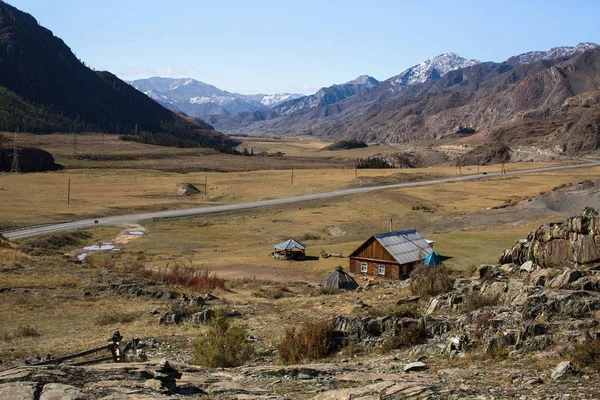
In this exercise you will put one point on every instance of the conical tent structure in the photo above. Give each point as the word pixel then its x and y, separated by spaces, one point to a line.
pixel 338 279
pixel 433 259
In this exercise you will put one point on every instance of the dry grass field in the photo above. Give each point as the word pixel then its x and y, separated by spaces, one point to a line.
pixel 59 298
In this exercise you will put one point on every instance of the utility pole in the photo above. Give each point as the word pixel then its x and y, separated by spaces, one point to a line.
pixel 15 161
pixel 69 193
pixel 205 186
pixel 292 176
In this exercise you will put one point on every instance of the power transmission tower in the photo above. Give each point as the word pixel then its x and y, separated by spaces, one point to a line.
pixel 15 161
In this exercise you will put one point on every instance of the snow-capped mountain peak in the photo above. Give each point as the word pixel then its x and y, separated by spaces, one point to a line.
pixel 430 69
pixel 552 54
pixel 198 99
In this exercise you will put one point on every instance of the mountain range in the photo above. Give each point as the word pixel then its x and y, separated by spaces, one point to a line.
pixel 197 99
pixel 44 88
pixel 434 98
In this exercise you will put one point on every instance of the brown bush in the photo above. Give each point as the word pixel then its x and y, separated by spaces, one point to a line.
pixel 21 332
pixel 310 341
pixel 426 281
pixel 195 278
pixel 407 337
pixel 586 354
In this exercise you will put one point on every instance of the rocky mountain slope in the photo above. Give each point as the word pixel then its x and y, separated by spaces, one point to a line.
pixel 40 72
pixel 426 103
pixel 198 99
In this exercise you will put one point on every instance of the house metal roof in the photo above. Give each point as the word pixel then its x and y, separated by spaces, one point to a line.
pixel 405 246
pixel 289 245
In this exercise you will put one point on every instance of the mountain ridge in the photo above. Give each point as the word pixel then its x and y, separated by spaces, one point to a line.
pixel 197 99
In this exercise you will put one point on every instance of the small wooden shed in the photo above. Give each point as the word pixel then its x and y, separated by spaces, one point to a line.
pixel 290 250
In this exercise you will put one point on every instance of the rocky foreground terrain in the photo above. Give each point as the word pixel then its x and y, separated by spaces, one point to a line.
pixel 526 327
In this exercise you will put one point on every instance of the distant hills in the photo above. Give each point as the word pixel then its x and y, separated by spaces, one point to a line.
pixel 45 88
pixel 198 99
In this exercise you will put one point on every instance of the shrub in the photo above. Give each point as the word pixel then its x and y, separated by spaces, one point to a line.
pixel 21 332
pixel 224 345
pixel 407 337
pixel 429 281
pixel 586 354
pixel 308 342
pixel 115 318
pixel 328 290
pixel 309 236
pixel 195 278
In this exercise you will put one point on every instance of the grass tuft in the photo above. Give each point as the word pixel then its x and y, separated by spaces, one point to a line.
pixel 310 341
pixel 586 354
pixel 116 318
pixel 407 337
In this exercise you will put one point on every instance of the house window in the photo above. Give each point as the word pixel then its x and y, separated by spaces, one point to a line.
pixel 363 267
pixel 381 269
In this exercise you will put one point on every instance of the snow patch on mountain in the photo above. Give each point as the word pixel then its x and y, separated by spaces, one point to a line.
pixel 430 69
pixel 196 98
pixel 552 54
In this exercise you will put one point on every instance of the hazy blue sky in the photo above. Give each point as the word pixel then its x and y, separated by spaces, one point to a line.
pixel 302 45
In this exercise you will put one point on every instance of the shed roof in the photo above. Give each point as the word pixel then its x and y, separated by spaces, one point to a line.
pixel 340 280
pixel 290 244
pixel 405 246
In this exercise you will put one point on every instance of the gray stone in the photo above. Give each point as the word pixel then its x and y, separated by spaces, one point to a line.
pixel 528 266
pixel 59 391
pixel 415 366
pixel 563 370
pixel 171 317
pixel 566 277
pixel 203 317
pixel 18 390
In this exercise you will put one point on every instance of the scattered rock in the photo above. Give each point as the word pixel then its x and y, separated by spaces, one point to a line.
pixel 59 391
pixel 203 317
pixel 563 370
pixel 415 366
pixel 186 189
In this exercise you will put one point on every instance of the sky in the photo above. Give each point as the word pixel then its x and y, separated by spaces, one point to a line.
pixel 264 46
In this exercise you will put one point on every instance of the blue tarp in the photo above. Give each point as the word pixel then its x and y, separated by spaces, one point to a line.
pixel 433 259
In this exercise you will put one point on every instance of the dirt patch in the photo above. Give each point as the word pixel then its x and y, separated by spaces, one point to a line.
pixel 569 200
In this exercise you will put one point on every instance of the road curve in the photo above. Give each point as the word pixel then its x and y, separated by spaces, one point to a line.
pixel 135 218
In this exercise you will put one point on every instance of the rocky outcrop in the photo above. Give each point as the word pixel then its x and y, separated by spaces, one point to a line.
pixel 570 243
pixel 30 160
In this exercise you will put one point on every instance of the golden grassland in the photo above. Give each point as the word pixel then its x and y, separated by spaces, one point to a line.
pixel 48 294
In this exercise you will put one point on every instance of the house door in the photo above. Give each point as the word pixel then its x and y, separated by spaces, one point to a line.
pixel 404 271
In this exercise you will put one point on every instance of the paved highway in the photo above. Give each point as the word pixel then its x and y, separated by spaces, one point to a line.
pixel 135 218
